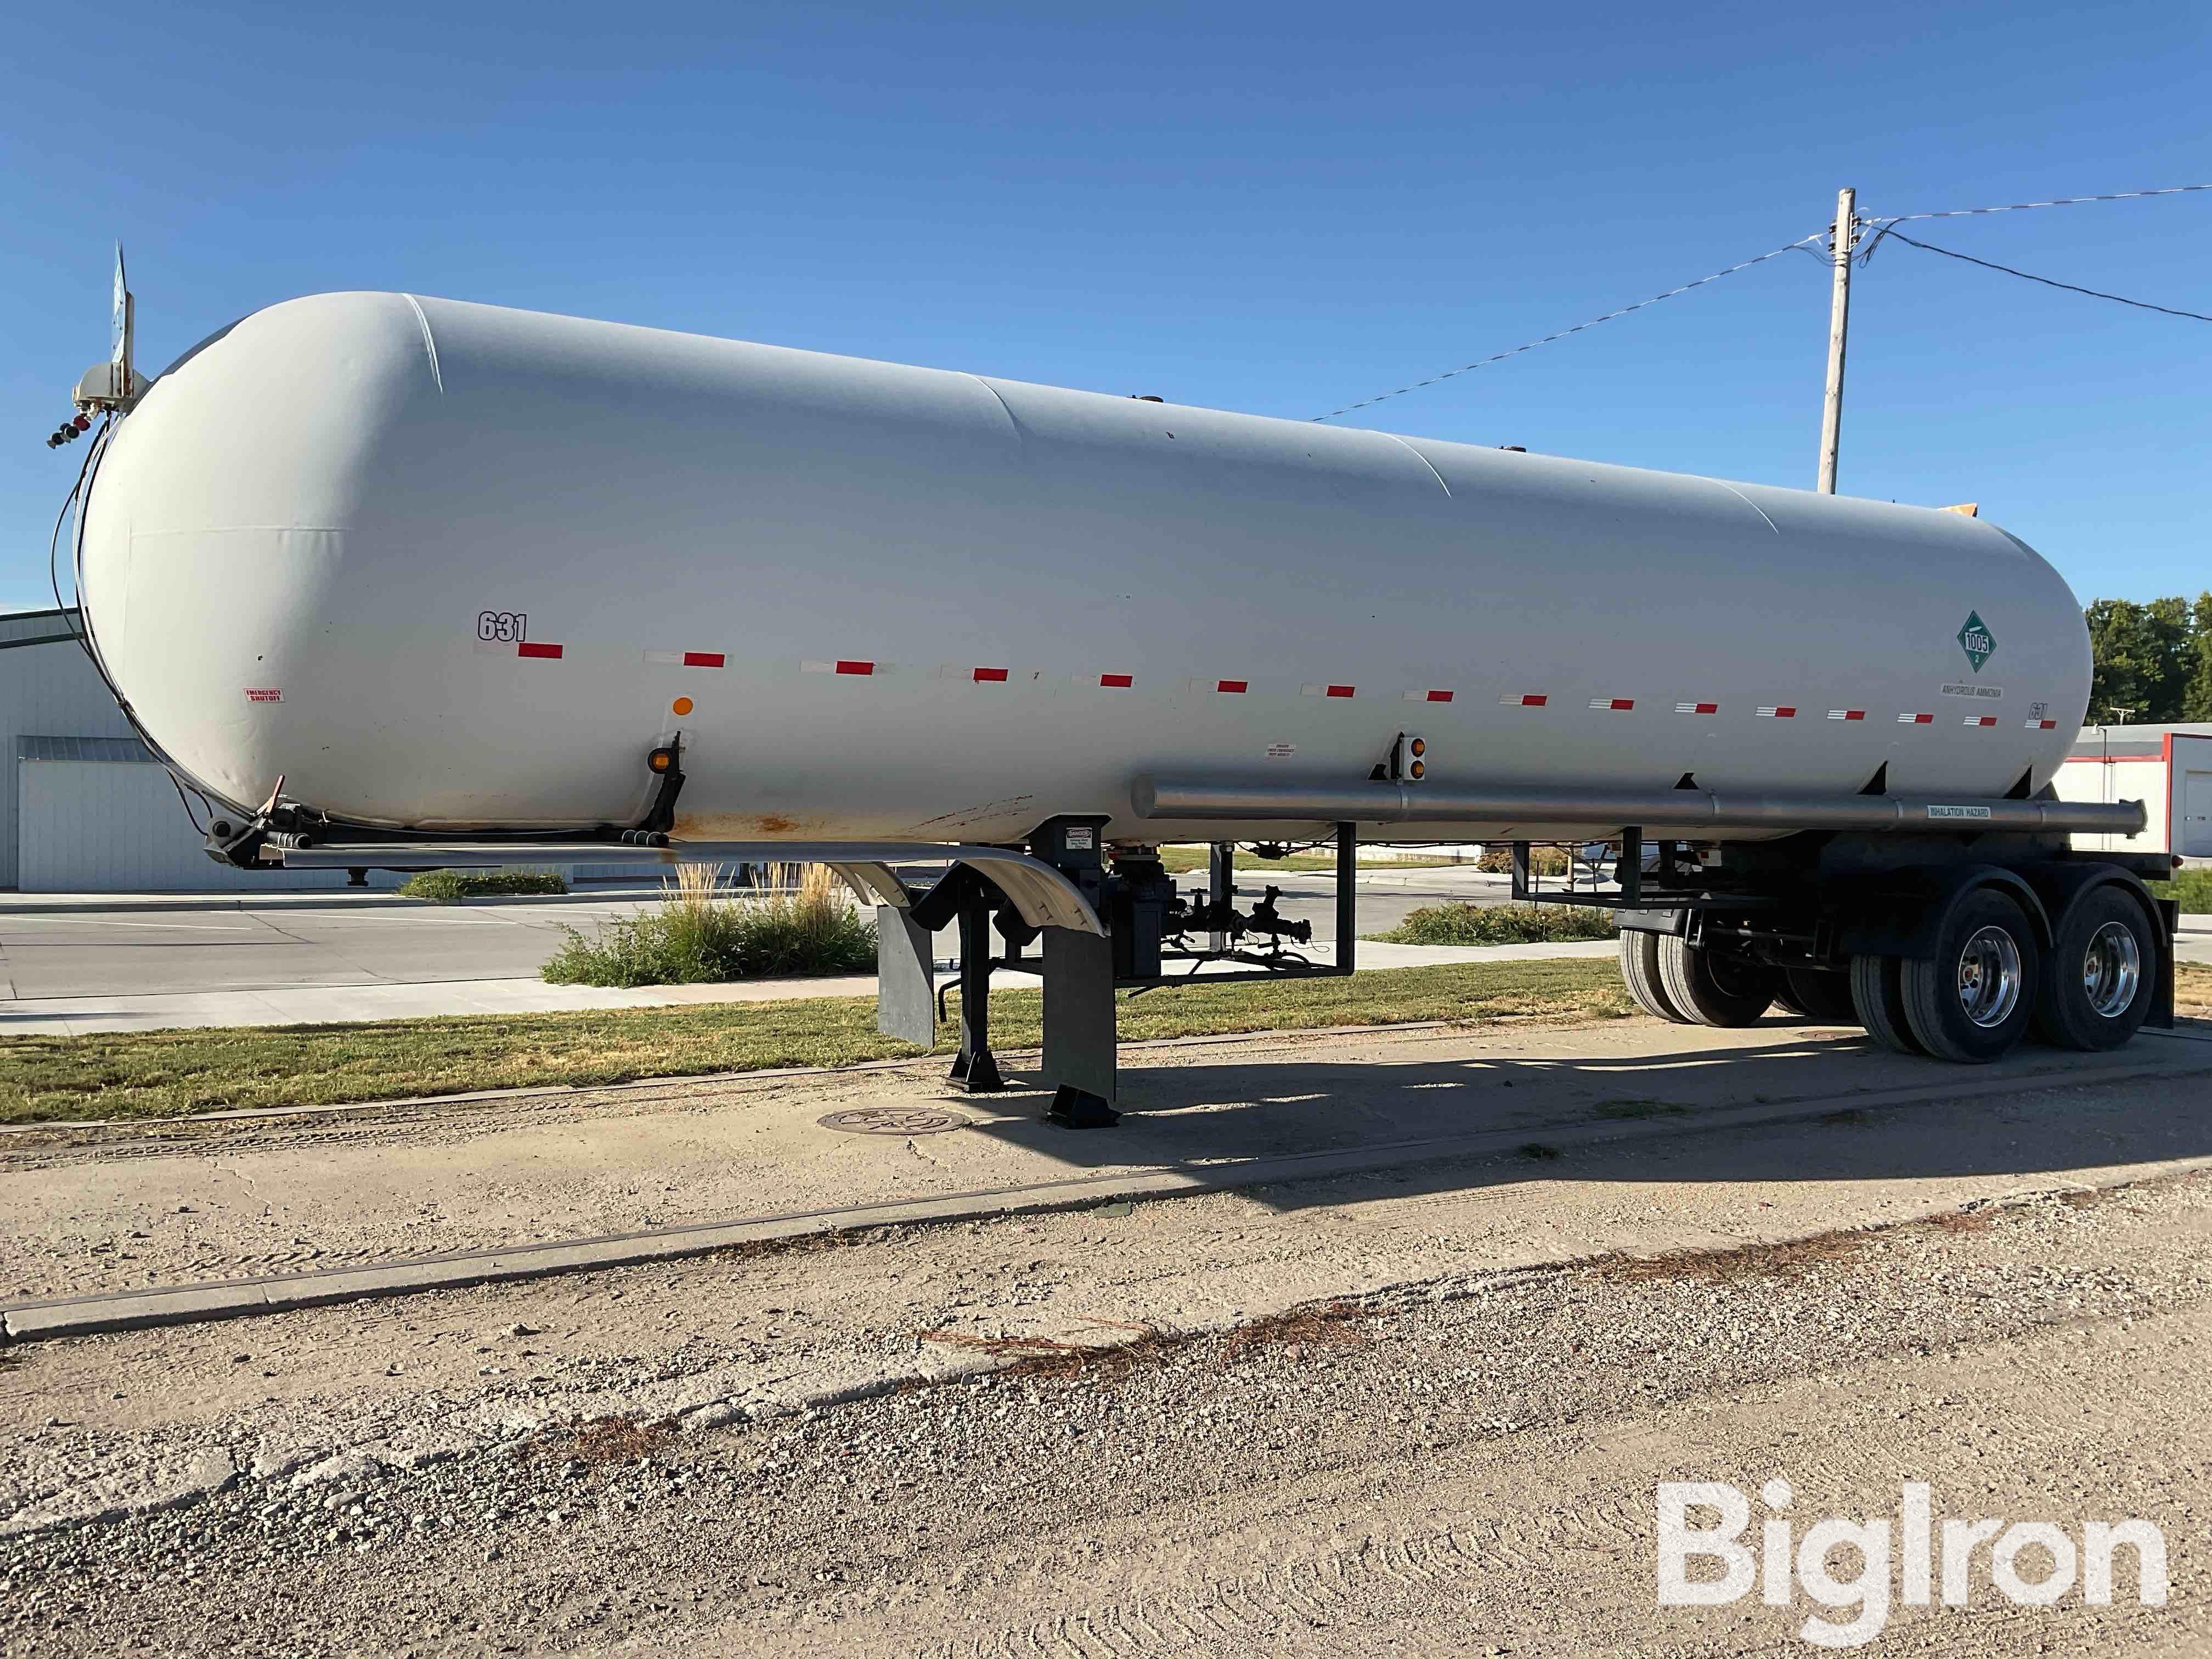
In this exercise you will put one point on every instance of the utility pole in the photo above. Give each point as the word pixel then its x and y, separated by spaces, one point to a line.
pixel 1839 318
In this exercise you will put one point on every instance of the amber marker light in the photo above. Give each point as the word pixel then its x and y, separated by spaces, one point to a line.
pixel 681 706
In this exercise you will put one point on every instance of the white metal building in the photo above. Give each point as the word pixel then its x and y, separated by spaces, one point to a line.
pixel 84 808
pixel 2167 768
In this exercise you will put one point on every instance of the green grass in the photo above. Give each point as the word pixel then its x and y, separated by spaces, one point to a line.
pixel 162 1074
pixel 452 886
pixel 804 926
pixel 1499 924
pixel 1185 860
pixel 2192 887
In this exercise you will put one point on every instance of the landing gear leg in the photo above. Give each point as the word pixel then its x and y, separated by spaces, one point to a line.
pixel 1079 1019
pixel 975 1069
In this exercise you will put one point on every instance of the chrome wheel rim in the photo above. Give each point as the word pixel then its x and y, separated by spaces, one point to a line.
pixel 2111 968
pixel 1989 977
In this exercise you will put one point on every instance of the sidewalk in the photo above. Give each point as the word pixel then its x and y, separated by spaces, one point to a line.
pixel 322 1005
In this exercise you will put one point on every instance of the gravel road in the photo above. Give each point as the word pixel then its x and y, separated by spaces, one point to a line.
pixel 1403 1414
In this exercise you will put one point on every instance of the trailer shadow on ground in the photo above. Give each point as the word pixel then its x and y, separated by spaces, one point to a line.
pixel 1558 1117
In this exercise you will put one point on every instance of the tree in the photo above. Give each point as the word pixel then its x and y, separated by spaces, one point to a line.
pixel 2148 657
pixel 2120 640
pixel 2196 702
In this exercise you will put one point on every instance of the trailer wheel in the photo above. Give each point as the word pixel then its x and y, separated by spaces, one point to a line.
pixel 2103 972
pixel 1640 969
pixel 1822 994
pixel 1713 989
pixel 1878 998
pixel 1975 1000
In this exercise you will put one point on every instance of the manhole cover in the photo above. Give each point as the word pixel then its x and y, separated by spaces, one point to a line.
pixel 894 1121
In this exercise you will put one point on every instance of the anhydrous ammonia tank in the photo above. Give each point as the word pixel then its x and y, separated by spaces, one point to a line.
pixel 442 566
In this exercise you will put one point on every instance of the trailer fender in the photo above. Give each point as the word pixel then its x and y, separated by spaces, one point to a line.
pixel 1900 913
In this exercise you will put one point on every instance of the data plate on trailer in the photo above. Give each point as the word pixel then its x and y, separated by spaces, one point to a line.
pixel 893 1120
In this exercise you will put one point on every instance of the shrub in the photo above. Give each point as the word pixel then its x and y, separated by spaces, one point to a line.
pixel 801 923
pixel 452 886
pixel 2192 887
pixel 1498 859
pixel 1500 924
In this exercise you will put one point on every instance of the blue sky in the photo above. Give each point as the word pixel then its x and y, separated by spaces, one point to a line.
pixel 1277 207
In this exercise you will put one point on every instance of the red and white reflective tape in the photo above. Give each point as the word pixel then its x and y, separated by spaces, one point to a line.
pixel 1228 688
pixel 2043 726
pixel 1915 719
pixel 1779 712
pixel 1847 713
pixel 988 676
pixel 1324 691
pixel 1697 708
pixel 1981 719
pixel 1433 696
pixel 689 659
pixel 841 665
pixel 1107 682
pixel 1615 705
pixel 1525 700
pixel 537 648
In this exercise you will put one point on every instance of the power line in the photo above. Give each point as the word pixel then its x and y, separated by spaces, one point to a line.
pixel 1885 227
pixel 1498 357
pixel 1987 265
pixel 2021 207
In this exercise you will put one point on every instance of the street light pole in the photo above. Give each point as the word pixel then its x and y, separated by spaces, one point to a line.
pixel 1840 317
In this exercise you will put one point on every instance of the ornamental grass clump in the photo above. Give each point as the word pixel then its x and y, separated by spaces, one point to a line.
pixel 799 922
pixel 1500 924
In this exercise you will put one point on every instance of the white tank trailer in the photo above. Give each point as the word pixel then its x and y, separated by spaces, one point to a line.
pixel 398 580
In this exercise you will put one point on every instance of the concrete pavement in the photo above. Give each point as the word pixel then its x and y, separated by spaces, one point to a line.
pixel 276 1212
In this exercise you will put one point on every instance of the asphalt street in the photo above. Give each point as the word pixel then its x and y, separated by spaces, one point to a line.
pixel 124 952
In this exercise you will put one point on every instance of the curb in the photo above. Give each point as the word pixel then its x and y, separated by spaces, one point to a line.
pixel 157 1306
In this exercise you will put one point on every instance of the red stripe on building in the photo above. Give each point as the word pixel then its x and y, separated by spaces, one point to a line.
pixel 536 648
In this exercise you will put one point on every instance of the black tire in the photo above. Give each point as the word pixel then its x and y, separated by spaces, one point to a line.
pixel 1974 1001
pixel 1712 989
pixel 2103 972
pixel 1821 995
pixel 1878 998
pixel 1640 969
